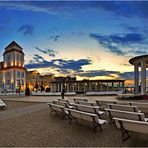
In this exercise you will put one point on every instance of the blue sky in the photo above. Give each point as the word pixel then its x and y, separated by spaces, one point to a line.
pixel 90 39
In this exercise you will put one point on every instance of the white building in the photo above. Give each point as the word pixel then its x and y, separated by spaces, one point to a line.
pixel 12 71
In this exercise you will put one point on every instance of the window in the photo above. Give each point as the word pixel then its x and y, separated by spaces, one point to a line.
pixel 22 57
pixel 8 57
pixel 18 82
pixel 8 74
pixel 22 75
pixel 18 74
pixel 17 56
pixel 22 83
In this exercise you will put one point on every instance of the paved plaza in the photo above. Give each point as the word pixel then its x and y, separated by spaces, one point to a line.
pixel 29 123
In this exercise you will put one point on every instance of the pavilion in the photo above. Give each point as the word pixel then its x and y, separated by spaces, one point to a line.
pixel 140 61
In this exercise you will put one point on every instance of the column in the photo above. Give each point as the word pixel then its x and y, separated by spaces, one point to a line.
pixel 136 78
pixel 90 86
pixel 51 87
pixel 58 87
pixel 54 87
pixel 84 87
pixel 112 86
pixel 100 86
pixel 78 87
pixel 73 87
pixel 106 86
pixel 96 87
pixel 68 87
pixel 143 77
pixel 62 86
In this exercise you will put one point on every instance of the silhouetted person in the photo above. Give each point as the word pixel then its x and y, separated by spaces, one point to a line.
pixel 27 91
pixel 62 93
pixel 140 88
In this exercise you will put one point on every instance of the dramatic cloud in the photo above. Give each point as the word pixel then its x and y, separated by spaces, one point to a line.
pixel 26 29
pixel 115 42
pixel 49 51
pixel 127 75
pixel 94 73
pixel 37 58
pixel 62 65
pixel 72 64
pixel 129 38
pixel 115 74
pixel 55 38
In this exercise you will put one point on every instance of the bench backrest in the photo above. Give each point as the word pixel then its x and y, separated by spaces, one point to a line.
pixel 89 109
pixel 123 107
pixel 61 103
pixel 103 104
pixel 126 115
pixel 88 116
pixel 82 115
pixel 123 102
pixel 86 103
pixel 76 99
pixel 63 100
pixel 143 106
pixel 56 107
pixel 131 125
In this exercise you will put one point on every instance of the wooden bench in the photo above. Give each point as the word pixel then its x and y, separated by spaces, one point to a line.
pixel 126 115
pixel 62 103
pixel 89 109
pixel 103 104
pixel 126 125
pixel 124 107
pixel 57 108
pixel 85 103
pixel 2 104
pixel 76 99
pixel 143 106
pixel 67 101
pixel 93 118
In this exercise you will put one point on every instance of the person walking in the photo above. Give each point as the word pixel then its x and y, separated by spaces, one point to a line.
pixel 62 93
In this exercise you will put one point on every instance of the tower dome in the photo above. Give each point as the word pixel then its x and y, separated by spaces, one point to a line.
pixel 13 56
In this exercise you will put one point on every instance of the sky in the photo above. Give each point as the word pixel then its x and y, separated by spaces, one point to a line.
pixel 86 39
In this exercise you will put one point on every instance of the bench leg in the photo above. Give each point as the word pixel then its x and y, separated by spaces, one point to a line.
pixel 71 118
pixel 97 125
pixel 63 116
pixel 51 111
pixel 110 119
pixel 125 134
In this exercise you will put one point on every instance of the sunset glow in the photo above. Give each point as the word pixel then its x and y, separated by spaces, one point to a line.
pixel 89 40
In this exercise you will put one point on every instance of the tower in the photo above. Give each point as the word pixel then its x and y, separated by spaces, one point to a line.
pixel 13 71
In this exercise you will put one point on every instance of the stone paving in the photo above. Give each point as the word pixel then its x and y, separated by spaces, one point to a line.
pixel 50 98
pixel 32 125
pixel 21 111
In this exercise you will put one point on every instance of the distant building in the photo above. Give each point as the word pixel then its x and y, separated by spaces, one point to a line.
pixel 73 85
pixel 34 80
pixel 12 71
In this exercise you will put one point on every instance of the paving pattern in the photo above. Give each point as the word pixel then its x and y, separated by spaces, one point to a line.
pixel 32 125
pixel 21 111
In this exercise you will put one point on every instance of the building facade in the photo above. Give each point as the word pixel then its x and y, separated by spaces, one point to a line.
pixel 12 71
pixel 35 81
